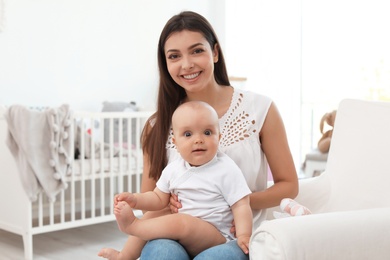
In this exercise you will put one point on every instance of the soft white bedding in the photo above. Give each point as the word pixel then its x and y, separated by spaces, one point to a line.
pixel 106 166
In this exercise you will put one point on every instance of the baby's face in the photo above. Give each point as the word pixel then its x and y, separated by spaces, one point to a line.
pixel 196 135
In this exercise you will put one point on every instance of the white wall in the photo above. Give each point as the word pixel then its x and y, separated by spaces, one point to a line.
pixel 85 52
pixel 263 43
pixel 89 51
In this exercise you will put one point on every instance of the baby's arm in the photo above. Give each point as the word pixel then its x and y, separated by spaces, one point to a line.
pixel 242 214
pixel 150 200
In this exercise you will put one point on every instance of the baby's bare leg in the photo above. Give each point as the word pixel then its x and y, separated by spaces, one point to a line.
pixel 199 234
pixel 124 217
pixel 134 245
pixel 194 234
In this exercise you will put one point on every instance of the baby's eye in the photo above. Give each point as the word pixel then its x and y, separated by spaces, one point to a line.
pixel 187 134
pixel 207 132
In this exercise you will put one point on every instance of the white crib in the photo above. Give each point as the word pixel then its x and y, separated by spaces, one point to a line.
pixel 91 186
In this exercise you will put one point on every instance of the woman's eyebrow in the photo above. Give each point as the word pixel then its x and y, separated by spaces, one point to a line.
pixel 195 45
pixel 172 50
pixel 189 48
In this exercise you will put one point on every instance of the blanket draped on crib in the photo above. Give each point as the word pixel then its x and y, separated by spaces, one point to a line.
pixel 39 142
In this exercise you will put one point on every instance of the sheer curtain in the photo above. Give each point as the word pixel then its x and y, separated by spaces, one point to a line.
pixel 345 54
pixel 308 55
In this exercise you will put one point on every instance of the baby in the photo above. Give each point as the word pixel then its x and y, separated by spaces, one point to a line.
pixel 210 186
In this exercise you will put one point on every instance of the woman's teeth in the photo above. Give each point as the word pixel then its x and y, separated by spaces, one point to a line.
pixel 192 76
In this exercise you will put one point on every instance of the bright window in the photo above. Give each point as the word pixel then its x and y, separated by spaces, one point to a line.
pixel 345 54
pixel 308 55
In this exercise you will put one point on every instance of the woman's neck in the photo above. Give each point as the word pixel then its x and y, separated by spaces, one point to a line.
pixel 219 98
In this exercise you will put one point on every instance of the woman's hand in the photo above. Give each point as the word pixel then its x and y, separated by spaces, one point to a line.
pixel 174 203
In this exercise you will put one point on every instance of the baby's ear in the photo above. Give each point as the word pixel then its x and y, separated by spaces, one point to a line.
pixel 173 140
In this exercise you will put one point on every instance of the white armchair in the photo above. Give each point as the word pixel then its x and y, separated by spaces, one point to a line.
pixel 350 201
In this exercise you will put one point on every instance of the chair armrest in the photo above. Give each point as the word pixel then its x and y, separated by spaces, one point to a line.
pixel 360 234
pixel 313 194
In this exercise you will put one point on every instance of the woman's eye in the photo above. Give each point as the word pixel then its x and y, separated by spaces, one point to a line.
pixel 207 132
pixel 187 134
pixel 172 56
pixel 198 51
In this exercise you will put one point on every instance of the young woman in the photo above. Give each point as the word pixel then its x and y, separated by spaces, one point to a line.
pixel 192 67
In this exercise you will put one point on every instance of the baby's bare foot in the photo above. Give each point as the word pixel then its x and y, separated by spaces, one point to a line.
pixel 124 216
pixel 109 253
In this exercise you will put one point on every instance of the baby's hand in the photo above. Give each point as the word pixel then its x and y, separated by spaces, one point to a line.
pixel 127 197
pixel 243 243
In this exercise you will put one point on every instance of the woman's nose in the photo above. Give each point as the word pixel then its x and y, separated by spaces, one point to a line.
pixel 187 63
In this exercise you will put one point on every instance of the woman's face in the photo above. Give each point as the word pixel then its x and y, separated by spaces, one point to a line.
pixel 190 60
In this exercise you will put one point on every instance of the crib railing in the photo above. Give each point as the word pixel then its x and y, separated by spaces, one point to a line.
pixel 113 165
pixel 108 160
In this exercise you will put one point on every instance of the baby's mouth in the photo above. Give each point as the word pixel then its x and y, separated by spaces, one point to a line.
pixel 198 150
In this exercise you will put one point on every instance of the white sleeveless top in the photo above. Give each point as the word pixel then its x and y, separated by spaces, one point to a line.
pixel 240 128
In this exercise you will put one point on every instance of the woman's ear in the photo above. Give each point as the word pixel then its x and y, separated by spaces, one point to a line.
pixel 215 53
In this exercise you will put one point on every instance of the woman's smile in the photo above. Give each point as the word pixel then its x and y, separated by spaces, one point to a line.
pixel 191 76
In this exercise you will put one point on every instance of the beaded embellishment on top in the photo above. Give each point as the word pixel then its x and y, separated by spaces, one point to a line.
pixel 236 125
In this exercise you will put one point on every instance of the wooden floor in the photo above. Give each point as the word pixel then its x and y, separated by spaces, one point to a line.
pixel 73 244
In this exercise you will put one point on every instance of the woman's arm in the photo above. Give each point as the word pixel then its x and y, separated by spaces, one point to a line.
pixel 147 183
pixel 275 146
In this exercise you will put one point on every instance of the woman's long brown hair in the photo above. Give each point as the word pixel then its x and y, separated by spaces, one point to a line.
pixel 170 94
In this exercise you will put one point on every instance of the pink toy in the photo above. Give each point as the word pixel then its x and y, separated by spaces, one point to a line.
pixel 293 208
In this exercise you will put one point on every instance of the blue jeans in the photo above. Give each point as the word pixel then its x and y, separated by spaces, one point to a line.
pixel 166 249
